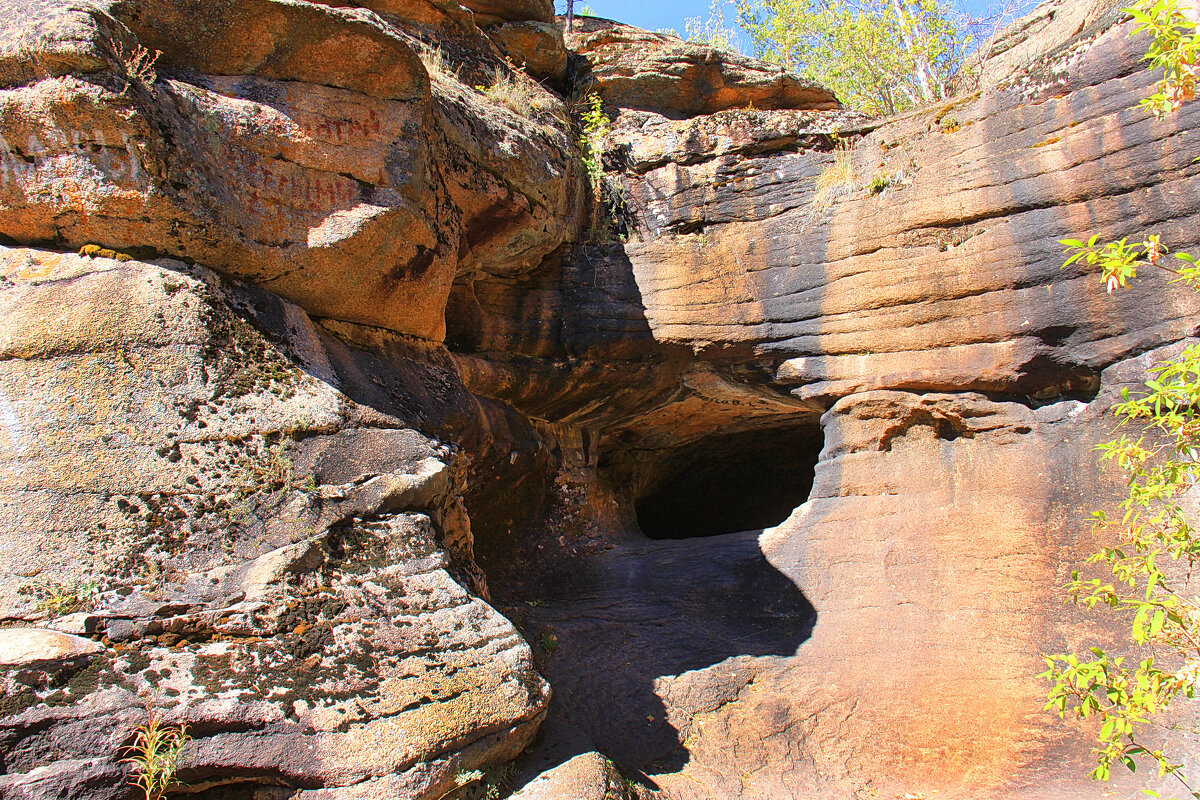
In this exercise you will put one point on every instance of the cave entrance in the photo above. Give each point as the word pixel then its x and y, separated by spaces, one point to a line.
pixel 731 482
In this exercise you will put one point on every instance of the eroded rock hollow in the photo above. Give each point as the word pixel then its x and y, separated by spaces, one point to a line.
pixel 341 424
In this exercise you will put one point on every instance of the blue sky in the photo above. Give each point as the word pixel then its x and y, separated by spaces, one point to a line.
pixel 655 14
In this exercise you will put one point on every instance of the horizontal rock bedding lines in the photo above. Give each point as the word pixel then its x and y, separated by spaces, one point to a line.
pixel 165 456
pixel 835 288
pixel 288 489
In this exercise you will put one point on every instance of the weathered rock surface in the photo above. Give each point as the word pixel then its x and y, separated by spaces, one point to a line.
pixel 590 776
pixel 538 47
pixel 633 68
pixel 779 482
pixel 933 275
pixel 1024 41
pixel 280 166
pixel 29 647
pixel 489 12
pixel 272 562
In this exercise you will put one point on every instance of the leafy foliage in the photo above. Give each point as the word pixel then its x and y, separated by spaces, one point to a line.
pixel 156 751
pixel 713 31
pixel 1156 528
pixel 1175 50
pixel 596 128
pixel 1119 260
pixel 1155 545
pixel 878 56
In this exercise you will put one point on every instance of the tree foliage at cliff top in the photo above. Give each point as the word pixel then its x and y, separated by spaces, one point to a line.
pixel 878 56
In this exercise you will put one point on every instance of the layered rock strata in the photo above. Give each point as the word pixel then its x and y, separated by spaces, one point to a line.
pixel 325 388
pixel 276 567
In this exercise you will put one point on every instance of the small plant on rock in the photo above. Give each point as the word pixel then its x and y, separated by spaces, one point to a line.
pixel 878 183
pixel 138 64
pixel 461 779
pixel 156 751
pixel 835 180
pixel 596 128
pixel 59 599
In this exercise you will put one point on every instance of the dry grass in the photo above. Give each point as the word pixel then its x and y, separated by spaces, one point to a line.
pixel 509 90
pixel 437 64
pixel 836 180
pixel 522 95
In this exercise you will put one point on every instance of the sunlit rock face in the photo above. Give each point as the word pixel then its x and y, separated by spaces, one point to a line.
pixel 340 424
pixel 301 147
pixel 287 572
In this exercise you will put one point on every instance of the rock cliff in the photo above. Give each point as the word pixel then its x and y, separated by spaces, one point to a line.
pixel 342 424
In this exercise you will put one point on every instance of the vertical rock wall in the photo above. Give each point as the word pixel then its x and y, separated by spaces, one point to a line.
pixel 350 420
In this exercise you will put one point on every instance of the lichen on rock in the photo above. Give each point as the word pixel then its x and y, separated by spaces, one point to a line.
pixel 339 421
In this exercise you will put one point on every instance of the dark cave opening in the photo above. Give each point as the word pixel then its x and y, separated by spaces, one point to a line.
pixel 730 482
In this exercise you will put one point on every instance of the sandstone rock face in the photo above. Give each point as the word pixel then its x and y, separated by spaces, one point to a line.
pixel 489 12
pixel 344 431
pixel 288 40
pixel 281 166
pixel 1050 25
pixel 632 68
pixel 285 570
pixel 536 46
pixel 919 304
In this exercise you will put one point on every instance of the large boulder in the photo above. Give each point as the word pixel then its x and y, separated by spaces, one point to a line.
pixel 538 47
pixel 633 68
pixel 283 571
pixel 285 166
pixel 291 40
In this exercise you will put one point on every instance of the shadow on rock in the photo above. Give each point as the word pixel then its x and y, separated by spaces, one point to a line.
pixel 644 611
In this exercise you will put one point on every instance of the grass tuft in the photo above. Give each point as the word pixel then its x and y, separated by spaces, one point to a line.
pixel 836 180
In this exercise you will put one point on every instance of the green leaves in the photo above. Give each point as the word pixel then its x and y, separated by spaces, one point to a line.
pixel 1174 49
pixel 1153 549
pixel 596 127
pixel 1119 261
pixel 878 56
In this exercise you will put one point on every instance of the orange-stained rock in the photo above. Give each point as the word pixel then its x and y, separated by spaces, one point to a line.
pixel 490 12
pixel 633 68
pixel 538 47
pixel 435 14
pixel 282 177
pixel 292 40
